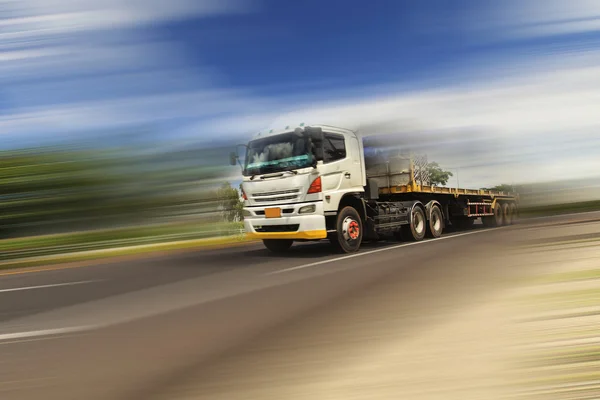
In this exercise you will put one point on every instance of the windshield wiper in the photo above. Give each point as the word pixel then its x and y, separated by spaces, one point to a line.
pixel 280 173
pixel 276 174
pixel 290 171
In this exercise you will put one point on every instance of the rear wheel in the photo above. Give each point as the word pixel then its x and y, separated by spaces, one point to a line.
pixel 349 231
pixel 507 214
pixel 418 225
pixel 436 222
pixel 278 245
pixel 514 213
pixel 498 215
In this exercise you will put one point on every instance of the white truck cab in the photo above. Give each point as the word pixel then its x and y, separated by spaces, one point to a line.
pixel 296 177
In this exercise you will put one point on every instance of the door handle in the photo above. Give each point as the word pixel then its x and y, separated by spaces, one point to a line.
pixel 347 175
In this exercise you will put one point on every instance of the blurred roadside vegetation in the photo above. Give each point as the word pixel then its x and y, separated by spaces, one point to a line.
pixel 561 208
pixel 75 195
pixel 76 198
pixel 555 198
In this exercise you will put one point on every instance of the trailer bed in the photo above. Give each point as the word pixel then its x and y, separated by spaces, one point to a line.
pixel 415 188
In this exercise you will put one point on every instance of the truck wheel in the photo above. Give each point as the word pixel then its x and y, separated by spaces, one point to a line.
pixel 498 215
pixel 514 213
pixel 278 245
pixel 507 214
pixel 418 225
pixel 349 231
pixel 435 224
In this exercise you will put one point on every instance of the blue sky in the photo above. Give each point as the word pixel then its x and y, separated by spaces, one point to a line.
pixel 188 70
pixel 314 43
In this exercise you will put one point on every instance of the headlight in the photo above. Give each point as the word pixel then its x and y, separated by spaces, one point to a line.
pixel 307 209
pixel 247 213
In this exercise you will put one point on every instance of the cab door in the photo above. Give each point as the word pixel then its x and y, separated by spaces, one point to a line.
pixel 338 172
pixel 356 173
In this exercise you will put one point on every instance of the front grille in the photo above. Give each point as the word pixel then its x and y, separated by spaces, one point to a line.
pixel 276 193
pixel 282 198
pixel 277 228
pixel 280 195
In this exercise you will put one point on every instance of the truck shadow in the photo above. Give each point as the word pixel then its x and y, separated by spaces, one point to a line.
pixel 323 249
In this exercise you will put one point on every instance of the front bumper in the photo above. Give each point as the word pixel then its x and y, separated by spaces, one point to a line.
pixel 291 224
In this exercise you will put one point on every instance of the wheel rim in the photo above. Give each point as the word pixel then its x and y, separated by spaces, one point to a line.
pixel 437 222
pixel 418 222
pixel 350 229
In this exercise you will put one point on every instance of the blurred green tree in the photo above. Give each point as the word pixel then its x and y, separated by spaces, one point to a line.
pixel 230 203
pixel 503 188
pixel 48 190
pixel 437 176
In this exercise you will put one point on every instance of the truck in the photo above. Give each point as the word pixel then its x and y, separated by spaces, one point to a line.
pixel 319 182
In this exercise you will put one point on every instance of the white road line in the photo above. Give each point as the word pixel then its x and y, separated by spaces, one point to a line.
pixel 314 264
pixel 34 339
pixel 45 332
pixel 47 286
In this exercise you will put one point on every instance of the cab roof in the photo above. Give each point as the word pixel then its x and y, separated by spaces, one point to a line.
pixel 290 127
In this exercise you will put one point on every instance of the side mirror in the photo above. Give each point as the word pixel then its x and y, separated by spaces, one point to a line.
pixel 316 137
pixel 233 158
pixel 314 133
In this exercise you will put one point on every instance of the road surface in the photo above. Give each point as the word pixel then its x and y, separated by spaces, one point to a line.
pixel 240 322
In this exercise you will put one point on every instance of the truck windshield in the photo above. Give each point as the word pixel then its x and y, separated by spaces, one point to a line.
pixel 278 153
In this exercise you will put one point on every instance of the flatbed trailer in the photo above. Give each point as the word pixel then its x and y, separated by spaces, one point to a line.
pixel 308 183
pixel 413 211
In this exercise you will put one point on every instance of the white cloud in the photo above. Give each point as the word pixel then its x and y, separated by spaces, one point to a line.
pixel 19 55
pixel 55 42
pixel 558 28
pixel 559 100
pixel 79 117
pixel 534 122
pixel 542 125
pixel 547 11
pixel 538 18
pixel 60 16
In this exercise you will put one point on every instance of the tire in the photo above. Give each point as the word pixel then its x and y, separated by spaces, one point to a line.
pixel 278 246
pixel 349 231
pixel 417 228
pixel 435 224
pixel 514 213
pixel 498 215
pixel 507 214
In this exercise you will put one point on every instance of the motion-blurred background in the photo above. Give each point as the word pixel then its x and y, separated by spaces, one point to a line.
pixel 117 118
pixel 123 112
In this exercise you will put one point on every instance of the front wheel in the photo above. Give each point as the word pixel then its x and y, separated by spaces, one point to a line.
pixel 349 231
pixel 278 245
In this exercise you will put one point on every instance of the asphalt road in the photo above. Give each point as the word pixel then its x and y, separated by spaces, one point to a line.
pixel 147 328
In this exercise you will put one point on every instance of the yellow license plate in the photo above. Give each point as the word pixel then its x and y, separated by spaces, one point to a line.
pixel 273 212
